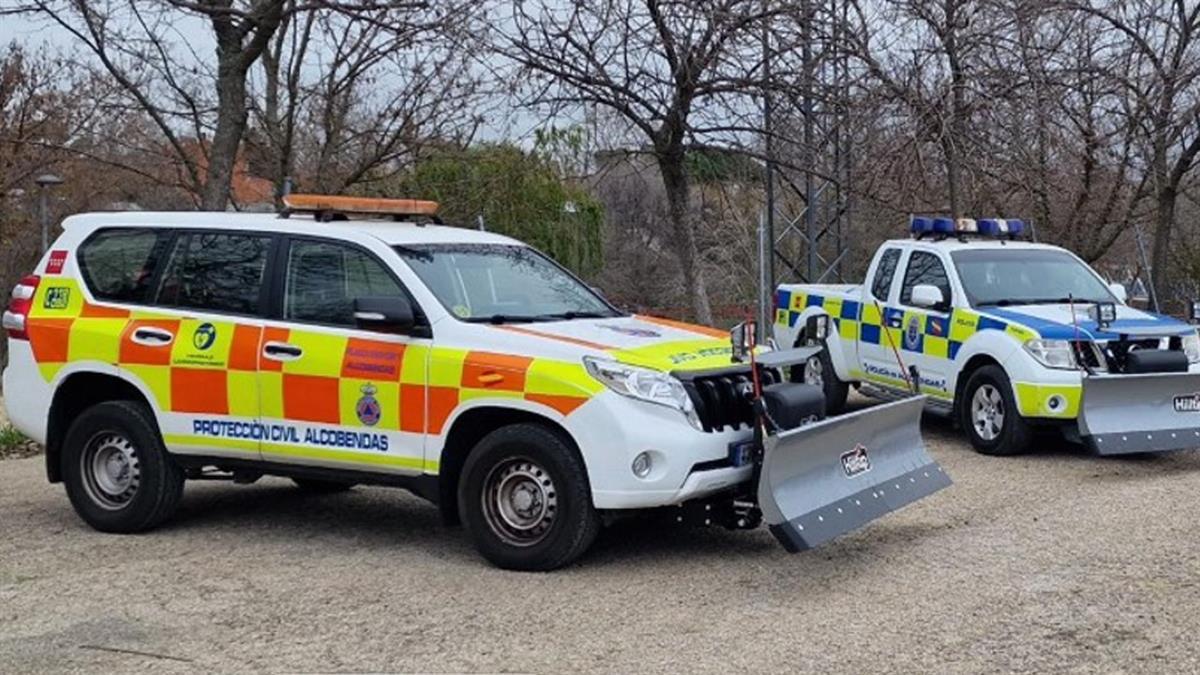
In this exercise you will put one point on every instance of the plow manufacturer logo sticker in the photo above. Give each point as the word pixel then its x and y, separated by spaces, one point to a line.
pixel 856 462
pixel 1188 403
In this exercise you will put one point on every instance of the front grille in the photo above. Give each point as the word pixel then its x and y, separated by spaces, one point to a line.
pixel 720 399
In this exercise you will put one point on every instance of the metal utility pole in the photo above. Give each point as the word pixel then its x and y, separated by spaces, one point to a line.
pixel 806 217
pixel 44 181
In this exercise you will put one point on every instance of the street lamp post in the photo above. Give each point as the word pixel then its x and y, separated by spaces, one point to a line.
pixel 44 181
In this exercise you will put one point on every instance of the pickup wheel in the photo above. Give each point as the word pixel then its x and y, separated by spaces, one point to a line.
pixel 525 500
pixel 117 472
pixel 818 371
pixel 989 414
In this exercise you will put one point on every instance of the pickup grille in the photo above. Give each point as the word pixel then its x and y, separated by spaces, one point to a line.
pixel 718 398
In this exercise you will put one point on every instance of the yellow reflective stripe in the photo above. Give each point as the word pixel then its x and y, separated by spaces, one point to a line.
pixel 848 329
pixel 871 315
pixel 799 301
pixel 680 354
pixel 1033 399
pixel 446 367
pixel 95 339
pixel 387 394
pixel 157 379
pixel 963 325
pixel 398 461
pixel 74 305
pixel 1020 332
pixel 207 442
pixel 414 364
pixel 242 392
pixel 937 347
pixel 270 387
pixel 561 378
pixel 323 353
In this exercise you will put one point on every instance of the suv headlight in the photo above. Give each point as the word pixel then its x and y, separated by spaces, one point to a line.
pixel 1191 347
pixel 643 384
pixel 1052 353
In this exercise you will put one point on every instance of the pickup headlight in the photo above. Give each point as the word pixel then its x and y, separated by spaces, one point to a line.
pixel 1191 347
pixel 1052 353
pixel 644 384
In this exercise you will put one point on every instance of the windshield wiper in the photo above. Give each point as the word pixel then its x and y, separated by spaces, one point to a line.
pixel 505 318
pixel 568 316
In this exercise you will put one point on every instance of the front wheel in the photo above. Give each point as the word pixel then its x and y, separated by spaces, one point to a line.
pixel 525 500
pixel 988 413
pixel 818 371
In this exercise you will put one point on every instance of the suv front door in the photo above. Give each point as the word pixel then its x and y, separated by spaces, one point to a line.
pixel 924 332
pixel 334 394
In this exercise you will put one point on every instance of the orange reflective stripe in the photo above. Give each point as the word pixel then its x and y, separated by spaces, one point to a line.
pixel 243 354
pixel 311 398
pixel 137 354
pixel 442 402
pixel 487 370
pixel 199 390
pixel 372 360
pixel 559 338
pixel 91 311
pixel 563 404
pixel 694 328
pixel 49 339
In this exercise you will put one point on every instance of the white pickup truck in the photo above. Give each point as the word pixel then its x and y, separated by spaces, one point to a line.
pixel 1006 336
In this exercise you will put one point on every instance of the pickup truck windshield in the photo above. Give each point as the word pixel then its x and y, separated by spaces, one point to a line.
pixel 1026 277
pixel 496 283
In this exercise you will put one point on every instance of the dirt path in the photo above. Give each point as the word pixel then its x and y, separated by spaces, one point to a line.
pixel 1053 562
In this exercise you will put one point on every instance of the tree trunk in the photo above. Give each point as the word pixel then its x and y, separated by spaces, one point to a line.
pixel 671 164
pixel 1164 213
pixel 231 125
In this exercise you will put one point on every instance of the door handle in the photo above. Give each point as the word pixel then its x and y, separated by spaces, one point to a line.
pixel 152 337
pixel 282 351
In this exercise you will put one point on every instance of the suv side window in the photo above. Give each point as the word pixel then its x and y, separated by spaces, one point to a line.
pixel 216 271
pixel 882 282
pixel 924 268
pixel 119 265
pixel 324 278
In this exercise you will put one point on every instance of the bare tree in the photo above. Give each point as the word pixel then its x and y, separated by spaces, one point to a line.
pixel 683 75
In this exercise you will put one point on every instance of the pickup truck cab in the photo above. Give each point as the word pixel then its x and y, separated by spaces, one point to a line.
pixel 1003 333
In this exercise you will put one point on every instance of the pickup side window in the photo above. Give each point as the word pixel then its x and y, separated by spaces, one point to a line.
pixel 324 278
pixel 119 265
pixel 216 272
pixel 924 268
pixel 884 272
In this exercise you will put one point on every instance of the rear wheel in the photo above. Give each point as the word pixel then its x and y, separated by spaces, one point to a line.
pixel 988 413
pixel 818 371
pixel 117 472
pixel 525 500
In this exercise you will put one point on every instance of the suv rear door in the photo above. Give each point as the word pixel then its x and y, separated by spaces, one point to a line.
pixel 334 394
pixel 197 349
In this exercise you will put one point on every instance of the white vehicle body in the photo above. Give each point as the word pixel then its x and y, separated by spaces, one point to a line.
pixel 395 411
pixel 878 327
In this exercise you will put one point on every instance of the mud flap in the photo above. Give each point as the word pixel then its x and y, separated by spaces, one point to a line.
pixel 822 480
pixel 1121 414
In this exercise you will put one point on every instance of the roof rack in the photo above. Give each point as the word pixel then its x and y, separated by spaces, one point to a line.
pixel 328 208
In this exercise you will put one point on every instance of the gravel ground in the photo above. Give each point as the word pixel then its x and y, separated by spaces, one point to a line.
pixel 1052 562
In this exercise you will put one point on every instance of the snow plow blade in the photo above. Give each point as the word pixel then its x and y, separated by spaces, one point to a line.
pixel 1122 414
pixel 828 478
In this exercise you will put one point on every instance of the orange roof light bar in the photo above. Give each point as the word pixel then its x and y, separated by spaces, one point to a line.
pixel 363 205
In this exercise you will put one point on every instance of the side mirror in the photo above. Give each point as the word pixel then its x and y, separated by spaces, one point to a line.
pixel 385 314
pixel 928 297
pixel 1119 291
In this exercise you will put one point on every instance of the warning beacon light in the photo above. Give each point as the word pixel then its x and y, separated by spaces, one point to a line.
pixel 1010 228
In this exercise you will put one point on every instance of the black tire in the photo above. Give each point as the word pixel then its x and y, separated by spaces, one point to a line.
pixel 834 389
pixel 523 457
pixel 1014 434
pixel 125 433
pixel 321 487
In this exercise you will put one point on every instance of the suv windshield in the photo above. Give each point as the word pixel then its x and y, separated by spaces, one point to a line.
pixel 1027 277
pixel 501 283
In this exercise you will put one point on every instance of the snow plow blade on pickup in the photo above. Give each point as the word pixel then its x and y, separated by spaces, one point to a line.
pixel 1123 414
pixel 827 478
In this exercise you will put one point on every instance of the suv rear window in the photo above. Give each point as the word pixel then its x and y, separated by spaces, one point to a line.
pixel 119 265
pixel 216 271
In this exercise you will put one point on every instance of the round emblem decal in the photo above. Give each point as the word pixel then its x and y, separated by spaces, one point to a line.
pixel 632 332
pixel 367 408
pixel 912 333
pixel 204 337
